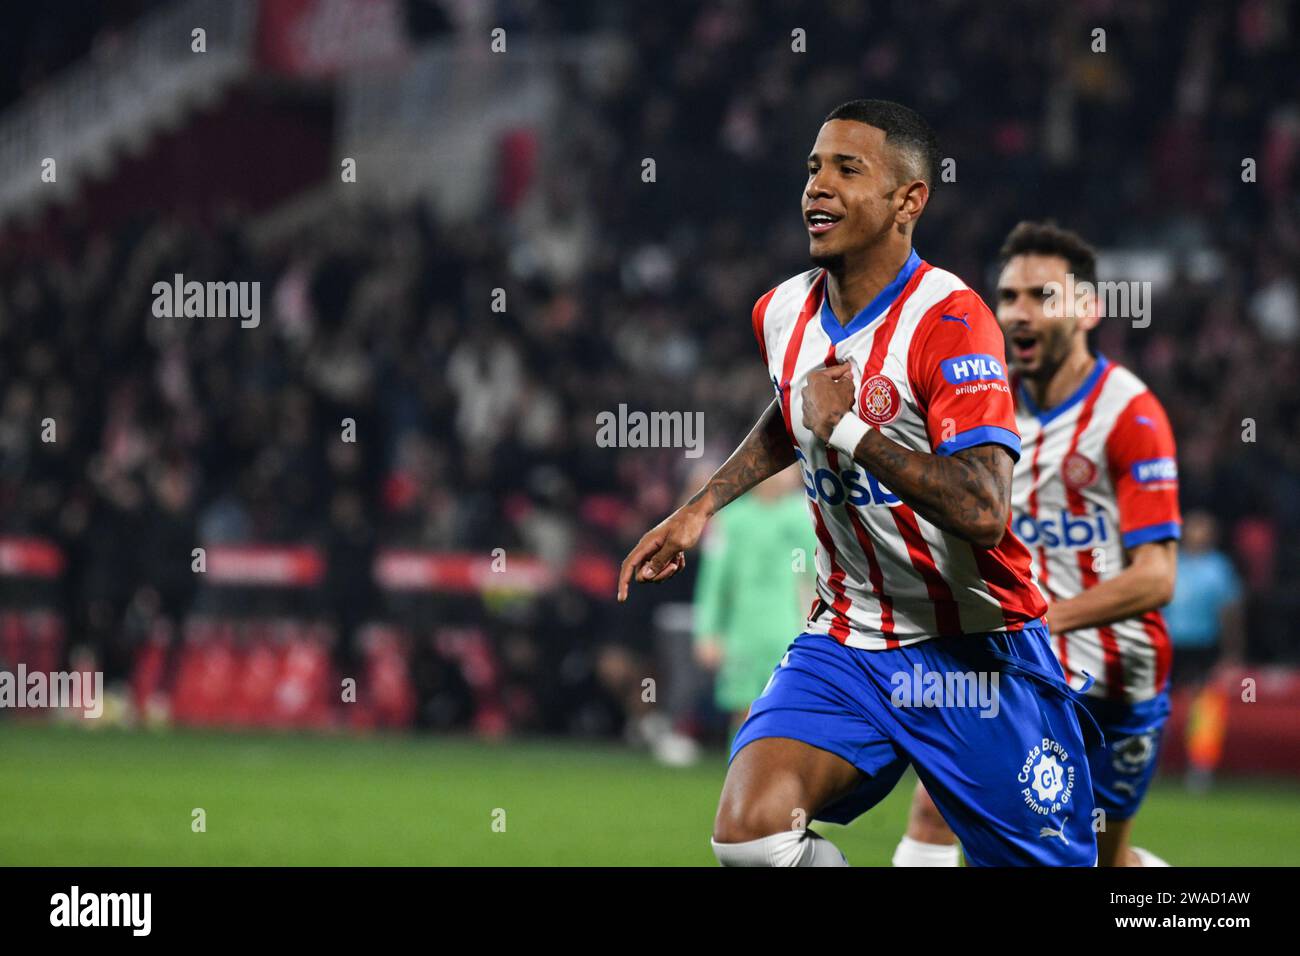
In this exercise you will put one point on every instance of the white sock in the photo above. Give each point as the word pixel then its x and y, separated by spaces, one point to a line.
pixel 1147 857
pixel 915 853
pixel 791 848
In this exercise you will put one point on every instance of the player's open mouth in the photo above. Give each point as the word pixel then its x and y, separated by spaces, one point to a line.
pixel 820 222
pixel 1024 348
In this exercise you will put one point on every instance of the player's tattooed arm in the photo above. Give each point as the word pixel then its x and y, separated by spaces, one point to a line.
pixel 967 494
pixel 661 552
pixel 765 451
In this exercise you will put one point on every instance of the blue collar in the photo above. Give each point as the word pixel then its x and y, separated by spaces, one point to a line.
pixel 1079 395
pixel 874 309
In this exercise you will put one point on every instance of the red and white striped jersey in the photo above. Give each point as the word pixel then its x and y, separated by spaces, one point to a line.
pixel 928 365
pixel 1098 477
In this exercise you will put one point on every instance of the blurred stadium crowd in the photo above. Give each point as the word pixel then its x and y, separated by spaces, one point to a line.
pixel 476 429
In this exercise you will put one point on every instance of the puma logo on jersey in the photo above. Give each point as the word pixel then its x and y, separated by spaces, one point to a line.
pixel 1044 832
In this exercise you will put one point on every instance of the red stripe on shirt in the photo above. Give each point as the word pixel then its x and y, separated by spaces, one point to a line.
pixel 1077 505
pixel 993 571
pixel 1153 623
pixel 839 599
pixel 810 306
pixel 874 575
pixel 758 316
pixel 947 619
pixel 1114 663
pixel 1062 645
pixel 1007 573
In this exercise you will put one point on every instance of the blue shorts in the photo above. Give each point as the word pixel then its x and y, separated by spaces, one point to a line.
pixel 1122 774
pixel 998 744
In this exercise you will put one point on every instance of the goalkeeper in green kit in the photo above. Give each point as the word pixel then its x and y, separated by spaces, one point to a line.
pixel 755 583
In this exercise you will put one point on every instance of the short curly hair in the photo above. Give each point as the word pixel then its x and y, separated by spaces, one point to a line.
pixel 1049 239
pixel 904 129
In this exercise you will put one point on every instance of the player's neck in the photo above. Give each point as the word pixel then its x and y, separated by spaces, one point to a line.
pixel 1049 392
pixel 851 285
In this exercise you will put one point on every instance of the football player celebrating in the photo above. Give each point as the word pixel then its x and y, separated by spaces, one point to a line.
pixel 891 393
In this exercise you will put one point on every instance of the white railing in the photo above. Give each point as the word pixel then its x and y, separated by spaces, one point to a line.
pixel 113 99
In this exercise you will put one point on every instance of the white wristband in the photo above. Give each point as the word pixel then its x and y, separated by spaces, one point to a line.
pixel 847 432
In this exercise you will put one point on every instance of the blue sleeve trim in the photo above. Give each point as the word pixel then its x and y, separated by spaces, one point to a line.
pixel 983 435
pixel 1170 530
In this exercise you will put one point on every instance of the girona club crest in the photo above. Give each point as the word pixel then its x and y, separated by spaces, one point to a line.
pixel 879 401
pixel 1078 471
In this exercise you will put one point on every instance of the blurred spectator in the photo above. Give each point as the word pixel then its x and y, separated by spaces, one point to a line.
pixel 1205 624
pixel 1204 618
pixel 755 584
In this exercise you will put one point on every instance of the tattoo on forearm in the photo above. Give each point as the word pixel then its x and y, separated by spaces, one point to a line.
pixel 961 493
pixel 765 451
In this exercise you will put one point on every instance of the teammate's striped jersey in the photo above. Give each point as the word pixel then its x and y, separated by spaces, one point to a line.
pixel 1098 476
pixel 929 372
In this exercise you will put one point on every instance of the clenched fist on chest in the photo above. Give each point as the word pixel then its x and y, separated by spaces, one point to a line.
pixel 827 396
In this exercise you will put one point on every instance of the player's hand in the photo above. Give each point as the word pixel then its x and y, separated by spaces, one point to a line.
pixel 661 551
pixel 827 395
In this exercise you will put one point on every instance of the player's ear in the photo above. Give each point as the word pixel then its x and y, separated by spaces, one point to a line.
pixel 1088 310
pixel 912 197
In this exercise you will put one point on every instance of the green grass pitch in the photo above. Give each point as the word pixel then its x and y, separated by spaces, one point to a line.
pixel 73 797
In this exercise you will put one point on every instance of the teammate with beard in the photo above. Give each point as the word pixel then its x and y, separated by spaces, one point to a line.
pixel 1095 497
